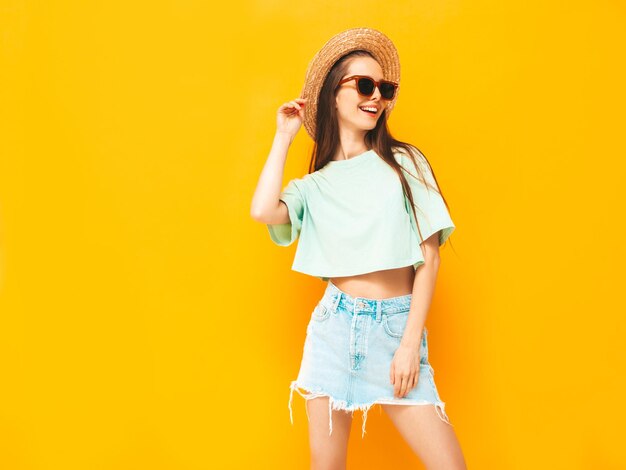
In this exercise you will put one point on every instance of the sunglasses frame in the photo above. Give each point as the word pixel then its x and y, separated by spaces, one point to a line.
pixel 376 85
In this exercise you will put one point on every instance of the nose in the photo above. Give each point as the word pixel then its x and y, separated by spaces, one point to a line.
pixel 376 93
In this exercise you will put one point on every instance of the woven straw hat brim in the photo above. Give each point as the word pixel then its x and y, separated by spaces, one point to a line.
pixel 371 40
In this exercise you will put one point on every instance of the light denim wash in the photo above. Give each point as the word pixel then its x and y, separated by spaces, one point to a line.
pixel 347 354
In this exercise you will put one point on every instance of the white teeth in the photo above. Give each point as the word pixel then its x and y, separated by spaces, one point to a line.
pixel 367 108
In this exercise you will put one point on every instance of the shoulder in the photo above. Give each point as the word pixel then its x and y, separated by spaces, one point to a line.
pixel 301 184
pixel 409 159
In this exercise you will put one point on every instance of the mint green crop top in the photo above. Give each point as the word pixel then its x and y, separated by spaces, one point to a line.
pixel 352 217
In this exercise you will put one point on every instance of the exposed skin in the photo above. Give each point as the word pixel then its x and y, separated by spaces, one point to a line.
pixel 432 440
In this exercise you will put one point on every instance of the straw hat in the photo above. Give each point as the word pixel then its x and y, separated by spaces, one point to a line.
pixel 371 40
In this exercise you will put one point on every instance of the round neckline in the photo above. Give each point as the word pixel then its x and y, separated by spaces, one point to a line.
pixel 352 160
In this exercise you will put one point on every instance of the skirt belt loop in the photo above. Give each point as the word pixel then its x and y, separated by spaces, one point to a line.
pixel 336 303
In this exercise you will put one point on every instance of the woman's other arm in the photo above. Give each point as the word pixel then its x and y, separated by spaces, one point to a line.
pixel 423 291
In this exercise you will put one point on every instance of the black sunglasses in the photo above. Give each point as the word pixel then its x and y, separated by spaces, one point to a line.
pixel 365 86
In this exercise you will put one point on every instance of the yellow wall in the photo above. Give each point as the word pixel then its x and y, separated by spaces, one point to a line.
pixel 146 321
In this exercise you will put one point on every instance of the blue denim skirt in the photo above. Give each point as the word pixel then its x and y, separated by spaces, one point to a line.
pixel 349 346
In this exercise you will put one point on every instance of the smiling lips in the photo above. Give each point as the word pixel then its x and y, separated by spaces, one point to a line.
pixel 370 110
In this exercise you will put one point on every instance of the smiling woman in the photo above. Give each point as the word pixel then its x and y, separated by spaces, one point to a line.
pixel 369 216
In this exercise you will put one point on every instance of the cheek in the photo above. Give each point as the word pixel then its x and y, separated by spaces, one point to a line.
pixel 347 108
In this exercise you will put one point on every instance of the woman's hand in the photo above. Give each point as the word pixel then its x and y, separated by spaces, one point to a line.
pixel 290 116
pixel 404 371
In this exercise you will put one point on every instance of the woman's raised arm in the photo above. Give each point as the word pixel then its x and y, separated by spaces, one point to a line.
pixel 266 206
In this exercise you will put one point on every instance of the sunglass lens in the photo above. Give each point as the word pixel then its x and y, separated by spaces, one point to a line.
pixel 366 86
pixel 387 90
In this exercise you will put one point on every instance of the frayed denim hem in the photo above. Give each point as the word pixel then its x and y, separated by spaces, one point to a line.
pixel 334 404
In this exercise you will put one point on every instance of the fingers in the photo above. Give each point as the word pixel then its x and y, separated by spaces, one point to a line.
pixel 403 384
pixel 404 377
pixel 400 387
pixel 293 106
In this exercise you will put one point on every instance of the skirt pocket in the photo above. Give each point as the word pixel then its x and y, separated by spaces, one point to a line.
pixel 320 313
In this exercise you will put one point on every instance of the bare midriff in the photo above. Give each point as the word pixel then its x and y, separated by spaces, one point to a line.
pixel 378 284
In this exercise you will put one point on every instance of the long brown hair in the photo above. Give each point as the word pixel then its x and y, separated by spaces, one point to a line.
pixel 379 139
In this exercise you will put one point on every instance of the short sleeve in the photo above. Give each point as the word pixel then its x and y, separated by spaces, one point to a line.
pixel 432 213
pixel 294 196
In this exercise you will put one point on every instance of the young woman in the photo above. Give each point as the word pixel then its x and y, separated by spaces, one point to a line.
pixel 370 219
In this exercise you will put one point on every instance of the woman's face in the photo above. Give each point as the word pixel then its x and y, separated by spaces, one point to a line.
pixel 349 102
